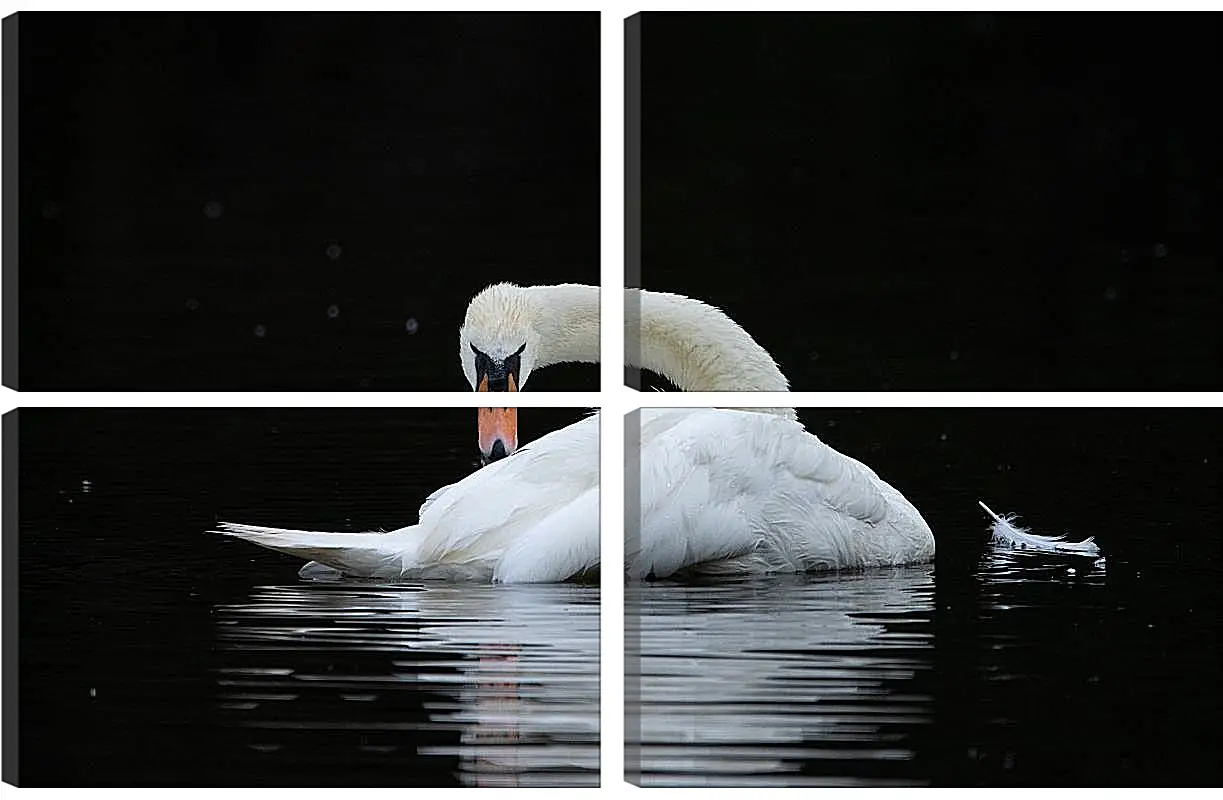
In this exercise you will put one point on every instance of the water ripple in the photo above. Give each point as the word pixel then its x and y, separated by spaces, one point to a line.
pixel 500 685
pixel 749 683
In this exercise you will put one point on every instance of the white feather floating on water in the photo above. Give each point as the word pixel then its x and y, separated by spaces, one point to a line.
pixel 1008 533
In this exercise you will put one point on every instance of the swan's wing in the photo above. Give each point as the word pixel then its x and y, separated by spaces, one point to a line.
pixel 432 498
pixel 722 484
pixel 530 517
pixel 505 509
pixel 564 544
pixel 687 517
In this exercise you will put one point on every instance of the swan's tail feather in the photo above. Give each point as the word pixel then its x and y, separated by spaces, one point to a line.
pixel 1006 532
pixel 371 555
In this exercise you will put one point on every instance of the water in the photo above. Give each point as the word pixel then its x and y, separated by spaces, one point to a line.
pixel 503 680
pixel 151 653
pixel 1044 677
pixel 988 667
pixel 747 683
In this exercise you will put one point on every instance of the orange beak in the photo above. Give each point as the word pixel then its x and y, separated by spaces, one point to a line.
pixel 498 427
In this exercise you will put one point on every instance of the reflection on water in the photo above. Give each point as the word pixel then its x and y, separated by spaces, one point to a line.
pixel 497 684
pixel 748 682
pixel 1003 568
pixel 154 654
pixel 873 678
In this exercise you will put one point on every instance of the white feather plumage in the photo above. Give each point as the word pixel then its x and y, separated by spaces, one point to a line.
pixel 1006 532
pixel 529 518
pixel 723 490
pixel 726 491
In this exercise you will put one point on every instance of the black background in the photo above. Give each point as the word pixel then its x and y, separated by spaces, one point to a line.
pixel 118 581
pixel 432 153
pixel 941 201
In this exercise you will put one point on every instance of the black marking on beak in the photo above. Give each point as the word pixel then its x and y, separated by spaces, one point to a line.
pixel 493 375
pixel 498 453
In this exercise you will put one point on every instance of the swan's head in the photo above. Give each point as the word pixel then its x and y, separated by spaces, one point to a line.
pixel 498 348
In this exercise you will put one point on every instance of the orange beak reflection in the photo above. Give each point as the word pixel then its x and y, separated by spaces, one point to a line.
pixel 498 427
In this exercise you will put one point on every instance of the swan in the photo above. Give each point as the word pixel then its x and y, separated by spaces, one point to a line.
pixel 740 491
pixel 544 524
pixel 722 490
pixel 542 528
pixel 731 491
pixel 510 331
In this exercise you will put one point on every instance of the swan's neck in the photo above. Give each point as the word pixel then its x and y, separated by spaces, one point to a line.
pixel 566 320
pixel 695 346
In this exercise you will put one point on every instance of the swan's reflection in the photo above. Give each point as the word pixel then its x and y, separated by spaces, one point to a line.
pixel 507 676
pixel 745 682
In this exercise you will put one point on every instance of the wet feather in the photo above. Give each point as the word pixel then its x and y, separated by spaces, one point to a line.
pixel 1006 532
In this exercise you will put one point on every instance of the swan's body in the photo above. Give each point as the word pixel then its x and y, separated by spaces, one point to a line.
pixel 722 491
pixel 532 518
pixel 726 491
pixel 735 491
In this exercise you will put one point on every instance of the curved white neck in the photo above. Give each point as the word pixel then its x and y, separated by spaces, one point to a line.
pixel 566 322
pixel 692 344
pixel 695 346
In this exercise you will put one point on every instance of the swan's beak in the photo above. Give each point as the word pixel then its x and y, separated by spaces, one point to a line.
pixel 498 433
pixel 498 426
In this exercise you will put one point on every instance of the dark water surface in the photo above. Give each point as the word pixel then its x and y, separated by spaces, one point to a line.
pixel 151 653
pixel 987 667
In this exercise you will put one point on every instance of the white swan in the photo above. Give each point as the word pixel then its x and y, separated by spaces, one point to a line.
pixel 727 491
pixel 746 490
pixel 544 525
pixel 509 332
pixel 721 490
